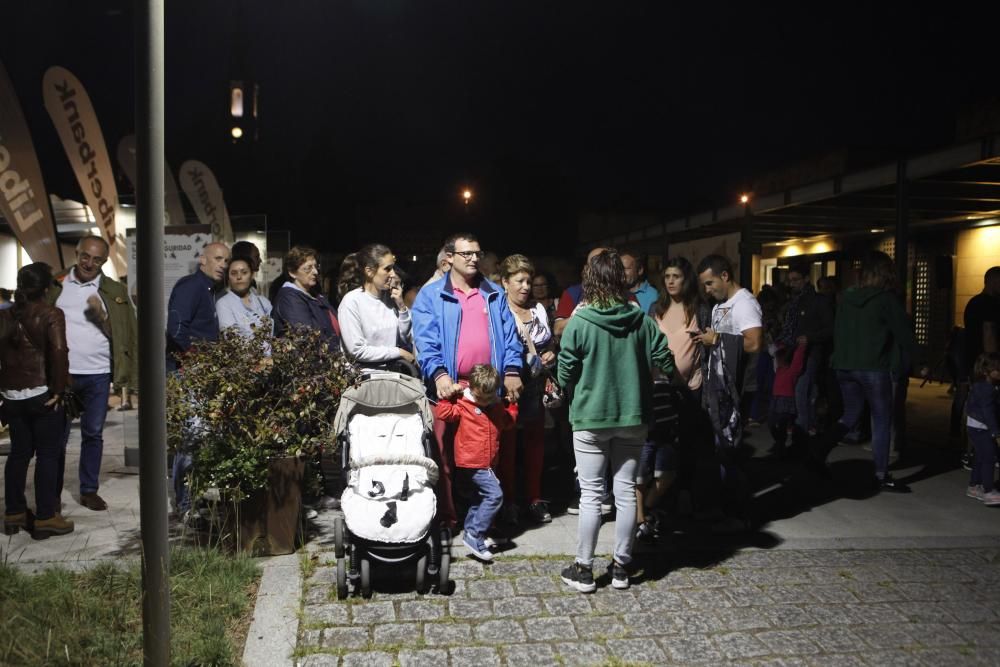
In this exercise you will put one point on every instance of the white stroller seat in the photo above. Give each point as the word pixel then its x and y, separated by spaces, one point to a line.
pixel 390 494
pixel 385 436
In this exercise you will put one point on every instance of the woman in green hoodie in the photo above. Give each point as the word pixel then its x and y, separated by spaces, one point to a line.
pixel 871 336
pixel 609 348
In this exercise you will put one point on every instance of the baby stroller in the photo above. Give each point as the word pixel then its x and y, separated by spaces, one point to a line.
pixel 385 431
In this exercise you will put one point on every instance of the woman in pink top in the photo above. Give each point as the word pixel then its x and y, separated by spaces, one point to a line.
pixel 676 314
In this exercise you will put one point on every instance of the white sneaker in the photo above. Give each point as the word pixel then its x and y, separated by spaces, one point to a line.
pixel 992 499
pixel 975 492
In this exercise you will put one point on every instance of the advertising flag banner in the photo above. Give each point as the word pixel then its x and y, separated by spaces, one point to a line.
pixel 23 200
pixel 203 191
pixel 73 115
pixel 127 160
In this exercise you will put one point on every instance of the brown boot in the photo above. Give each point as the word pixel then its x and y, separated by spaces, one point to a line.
pixel 46 528
pixel 12 523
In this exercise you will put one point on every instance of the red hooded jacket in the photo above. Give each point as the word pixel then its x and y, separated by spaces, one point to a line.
pixel 477 440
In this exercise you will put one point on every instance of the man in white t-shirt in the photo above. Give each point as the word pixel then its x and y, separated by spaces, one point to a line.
pixel 736 330
pixel 101 337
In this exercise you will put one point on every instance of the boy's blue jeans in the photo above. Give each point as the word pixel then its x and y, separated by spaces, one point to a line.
pixel 485 495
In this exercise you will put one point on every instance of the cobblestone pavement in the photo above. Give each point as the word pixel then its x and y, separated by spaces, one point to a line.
pixel 779 607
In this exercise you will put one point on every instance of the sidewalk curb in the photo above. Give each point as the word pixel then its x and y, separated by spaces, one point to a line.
pixel 274 629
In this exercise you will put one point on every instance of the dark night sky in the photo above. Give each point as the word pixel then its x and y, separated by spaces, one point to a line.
pixel 380 110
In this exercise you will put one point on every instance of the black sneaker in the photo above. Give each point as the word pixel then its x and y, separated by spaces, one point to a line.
pixel 579 577
pixel 967 460
pixel 539 512
pixel 619 576
pixel 890 485
pixel 573 507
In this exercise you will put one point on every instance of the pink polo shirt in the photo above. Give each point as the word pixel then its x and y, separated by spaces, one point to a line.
pixel 474 333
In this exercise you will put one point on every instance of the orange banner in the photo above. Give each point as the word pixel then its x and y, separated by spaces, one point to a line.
pixel 73 115
pixel 23 200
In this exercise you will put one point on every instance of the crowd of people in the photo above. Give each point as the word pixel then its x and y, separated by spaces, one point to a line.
pixel 658 386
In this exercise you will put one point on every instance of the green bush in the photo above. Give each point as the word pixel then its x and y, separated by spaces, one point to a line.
pixel 241 401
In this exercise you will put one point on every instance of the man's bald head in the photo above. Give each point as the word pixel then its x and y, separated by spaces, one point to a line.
pixel 214 260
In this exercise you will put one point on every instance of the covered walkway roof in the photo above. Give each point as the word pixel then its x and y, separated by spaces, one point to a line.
pixel 959 185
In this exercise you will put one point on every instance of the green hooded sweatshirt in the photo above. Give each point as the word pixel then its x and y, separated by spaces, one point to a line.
pixel 606 357
pixel 871 331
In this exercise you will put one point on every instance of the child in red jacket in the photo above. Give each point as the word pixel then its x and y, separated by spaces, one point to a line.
pixel 481 417
pixel 781 414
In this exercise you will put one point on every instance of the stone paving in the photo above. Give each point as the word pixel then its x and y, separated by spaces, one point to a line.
pixel 779 607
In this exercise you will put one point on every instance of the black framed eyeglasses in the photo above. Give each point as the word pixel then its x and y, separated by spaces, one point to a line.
pixel 469 254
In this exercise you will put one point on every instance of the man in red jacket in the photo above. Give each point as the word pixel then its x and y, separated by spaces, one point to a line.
pixel 481 417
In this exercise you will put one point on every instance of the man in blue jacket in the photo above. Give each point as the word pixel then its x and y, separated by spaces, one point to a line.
pixel 191 308
pixel 191 317
pixel 460 320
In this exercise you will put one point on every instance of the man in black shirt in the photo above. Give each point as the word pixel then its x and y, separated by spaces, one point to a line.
pixel 982 334
pixel 982 320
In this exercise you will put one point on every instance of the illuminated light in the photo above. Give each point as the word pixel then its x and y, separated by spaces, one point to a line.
pixel 237 132
pixel 791 250
pixel 989 222
pixel 744 198
pixel 466 195
pixel 877 231
pixel 236 101
pixel 414 258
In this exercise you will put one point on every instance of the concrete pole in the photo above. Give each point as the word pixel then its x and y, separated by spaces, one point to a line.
pixel 149 135
pixel 902 239
pixel 748 247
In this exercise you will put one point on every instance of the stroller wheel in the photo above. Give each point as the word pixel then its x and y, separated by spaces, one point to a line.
pixel 338 537
pixel 444 584
pixel 421 575
pixel 366 577
pixel 341 578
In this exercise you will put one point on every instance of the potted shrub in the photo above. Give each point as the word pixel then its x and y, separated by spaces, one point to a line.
pixel 256 413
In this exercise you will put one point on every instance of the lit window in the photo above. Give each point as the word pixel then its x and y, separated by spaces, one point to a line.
pixel 236 101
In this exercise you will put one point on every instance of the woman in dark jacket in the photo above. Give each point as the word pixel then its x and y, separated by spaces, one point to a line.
pixel 299 301
pixel 34 372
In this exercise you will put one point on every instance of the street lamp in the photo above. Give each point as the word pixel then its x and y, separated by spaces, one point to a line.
pixel 466 196
pixel 744 198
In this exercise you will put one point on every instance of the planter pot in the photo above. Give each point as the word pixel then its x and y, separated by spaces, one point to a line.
pixel 270 521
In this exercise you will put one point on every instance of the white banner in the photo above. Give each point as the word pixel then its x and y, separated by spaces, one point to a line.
pixel 181 250
pixel 73 115
pixel 23 200
pixel 126 158
pixel 203 191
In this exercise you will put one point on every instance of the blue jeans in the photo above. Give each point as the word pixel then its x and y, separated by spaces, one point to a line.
pixel 594 449
pixel 875 388
pixel 182 495
pixel 486 497
pixel 94 391
pixel 35 431
pixel 986 453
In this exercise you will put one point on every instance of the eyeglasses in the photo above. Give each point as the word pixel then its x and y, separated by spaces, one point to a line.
pixel 469 254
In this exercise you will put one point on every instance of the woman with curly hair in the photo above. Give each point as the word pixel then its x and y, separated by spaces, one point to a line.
pixel 609 349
